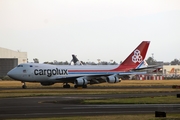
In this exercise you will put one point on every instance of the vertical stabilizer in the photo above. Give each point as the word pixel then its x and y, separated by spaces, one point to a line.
pixel 75 60
pixel 135 58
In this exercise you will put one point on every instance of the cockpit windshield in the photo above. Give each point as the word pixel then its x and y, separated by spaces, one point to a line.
pixel 20 66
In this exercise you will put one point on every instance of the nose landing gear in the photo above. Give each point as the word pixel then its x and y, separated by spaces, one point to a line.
pixel 24 85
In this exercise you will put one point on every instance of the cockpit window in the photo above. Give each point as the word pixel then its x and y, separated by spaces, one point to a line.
pixel 31 66
pixel 20 66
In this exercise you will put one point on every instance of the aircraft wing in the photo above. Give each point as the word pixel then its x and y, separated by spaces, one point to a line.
pixel 153 67
pixel 93 79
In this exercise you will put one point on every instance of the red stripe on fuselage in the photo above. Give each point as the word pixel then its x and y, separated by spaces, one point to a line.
pixel 120 69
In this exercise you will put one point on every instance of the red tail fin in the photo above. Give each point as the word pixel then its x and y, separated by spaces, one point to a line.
pixel 135 58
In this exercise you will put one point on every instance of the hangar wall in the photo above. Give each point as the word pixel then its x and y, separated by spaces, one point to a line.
pixel 9 59
pixel 6 53
pixel 7 64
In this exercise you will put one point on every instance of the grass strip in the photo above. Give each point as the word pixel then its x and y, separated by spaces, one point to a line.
pixel 56 92
pixel 17 84
pixel 141 100
pixel 137 100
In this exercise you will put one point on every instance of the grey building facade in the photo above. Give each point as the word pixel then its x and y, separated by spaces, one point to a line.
pixel 10 59
pixel 7 64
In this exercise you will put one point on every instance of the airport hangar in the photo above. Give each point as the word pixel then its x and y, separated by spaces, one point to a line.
pixel 10 59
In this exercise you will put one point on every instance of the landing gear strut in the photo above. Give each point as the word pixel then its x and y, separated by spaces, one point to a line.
pixel 66 85
pixel 24 85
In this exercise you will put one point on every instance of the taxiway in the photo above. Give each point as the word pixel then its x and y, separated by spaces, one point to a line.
pixel 67 105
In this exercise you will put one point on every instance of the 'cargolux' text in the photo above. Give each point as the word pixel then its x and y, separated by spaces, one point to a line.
pixel 50 72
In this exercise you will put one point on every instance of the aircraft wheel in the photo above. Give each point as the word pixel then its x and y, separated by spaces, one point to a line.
pixel 84 86
pixel 75 86
pixel 66 86
pixel 24 86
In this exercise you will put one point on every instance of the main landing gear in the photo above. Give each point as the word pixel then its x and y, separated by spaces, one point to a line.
pixel 24 85
pixel 66 85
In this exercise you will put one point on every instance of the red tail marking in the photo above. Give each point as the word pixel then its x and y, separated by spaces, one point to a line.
pixel 135 58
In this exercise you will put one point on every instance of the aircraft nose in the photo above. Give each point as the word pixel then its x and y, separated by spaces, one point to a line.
pixel 11 74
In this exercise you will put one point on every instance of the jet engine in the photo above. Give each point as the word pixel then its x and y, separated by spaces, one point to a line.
pixel 112 79
pixel 80 81
pixel 47 83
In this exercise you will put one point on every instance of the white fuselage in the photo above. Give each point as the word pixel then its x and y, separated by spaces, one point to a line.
pixel 30 72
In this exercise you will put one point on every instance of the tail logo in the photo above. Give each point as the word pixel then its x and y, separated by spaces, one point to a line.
pixel 137 56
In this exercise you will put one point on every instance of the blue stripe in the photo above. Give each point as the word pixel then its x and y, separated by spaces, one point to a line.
pixel 140 64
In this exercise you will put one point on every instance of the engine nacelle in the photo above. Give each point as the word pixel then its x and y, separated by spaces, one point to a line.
pixel 80 81
pixel 112 79
pixel 47 83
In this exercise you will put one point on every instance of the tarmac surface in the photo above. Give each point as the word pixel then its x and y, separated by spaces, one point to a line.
pixel 94 87
pixel 68 105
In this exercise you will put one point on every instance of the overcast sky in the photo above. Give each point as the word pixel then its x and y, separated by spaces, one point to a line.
pixel 92 29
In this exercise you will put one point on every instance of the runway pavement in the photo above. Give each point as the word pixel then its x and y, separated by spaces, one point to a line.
pixel 90 87
pixel 57 106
